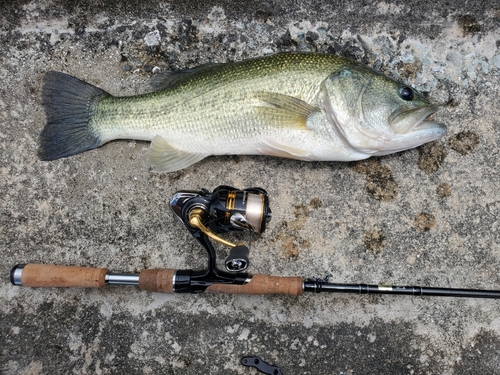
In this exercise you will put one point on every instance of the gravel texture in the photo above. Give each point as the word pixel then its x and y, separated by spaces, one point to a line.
pixel 428 216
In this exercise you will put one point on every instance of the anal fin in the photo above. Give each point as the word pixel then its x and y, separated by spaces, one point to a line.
pixel 164 158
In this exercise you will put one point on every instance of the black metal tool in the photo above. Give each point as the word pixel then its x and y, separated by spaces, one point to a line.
pixel 260 365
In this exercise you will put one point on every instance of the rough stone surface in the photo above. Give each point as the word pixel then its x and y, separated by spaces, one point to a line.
pixel 104 208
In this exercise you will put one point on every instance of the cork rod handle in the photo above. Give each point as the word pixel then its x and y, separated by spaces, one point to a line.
pixel 157 280
pixel 46 275
pixel 263 284
pixel 153 280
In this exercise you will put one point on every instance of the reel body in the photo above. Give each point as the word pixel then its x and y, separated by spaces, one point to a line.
pixel 206 215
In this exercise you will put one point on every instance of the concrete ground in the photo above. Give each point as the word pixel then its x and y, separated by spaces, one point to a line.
pixel 428 216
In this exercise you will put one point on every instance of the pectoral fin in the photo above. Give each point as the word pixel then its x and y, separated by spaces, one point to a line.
pixel 284 110
pixel 164 158
pixel 274 148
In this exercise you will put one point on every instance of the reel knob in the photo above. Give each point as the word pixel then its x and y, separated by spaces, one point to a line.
pixel 237 260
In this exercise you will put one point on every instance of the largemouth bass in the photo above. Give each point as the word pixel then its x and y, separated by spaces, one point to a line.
pixel 302 106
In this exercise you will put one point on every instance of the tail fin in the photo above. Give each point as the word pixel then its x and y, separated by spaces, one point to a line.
pixel 68 104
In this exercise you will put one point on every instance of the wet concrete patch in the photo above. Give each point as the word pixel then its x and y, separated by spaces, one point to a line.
pixel 431 157
pixel 301 213
pixel 380 183
pixel 375 240
pixel 316 203
pixel 424 222
pixel 464 142
pixel 468 24
pixel 410 71
pixel 443 190
pixel 292 244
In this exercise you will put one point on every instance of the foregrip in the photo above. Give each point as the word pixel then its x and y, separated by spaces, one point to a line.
pixel 157 280
pixel 263 284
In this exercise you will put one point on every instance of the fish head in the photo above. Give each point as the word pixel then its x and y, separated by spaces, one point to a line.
pixel 375 115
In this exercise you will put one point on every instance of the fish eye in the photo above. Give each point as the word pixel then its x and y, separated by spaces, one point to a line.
pixel 406 93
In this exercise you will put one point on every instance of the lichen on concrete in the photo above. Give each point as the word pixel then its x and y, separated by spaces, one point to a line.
pixel 420 217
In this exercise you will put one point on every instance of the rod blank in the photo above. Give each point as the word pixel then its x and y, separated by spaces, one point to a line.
pixel 318 286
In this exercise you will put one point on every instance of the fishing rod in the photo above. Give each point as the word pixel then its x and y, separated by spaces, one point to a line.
pixel 206 216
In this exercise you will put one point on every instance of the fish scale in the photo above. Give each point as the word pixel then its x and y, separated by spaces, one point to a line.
pixel 297 105
pixel 223 94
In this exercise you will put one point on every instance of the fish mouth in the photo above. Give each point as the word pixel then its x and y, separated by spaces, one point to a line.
pixel 408 119
pixel 412 127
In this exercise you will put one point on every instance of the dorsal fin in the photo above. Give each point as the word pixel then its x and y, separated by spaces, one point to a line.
pixel 164 80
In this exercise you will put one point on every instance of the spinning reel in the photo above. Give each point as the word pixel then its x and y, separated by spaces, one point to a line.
pixel 227 209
